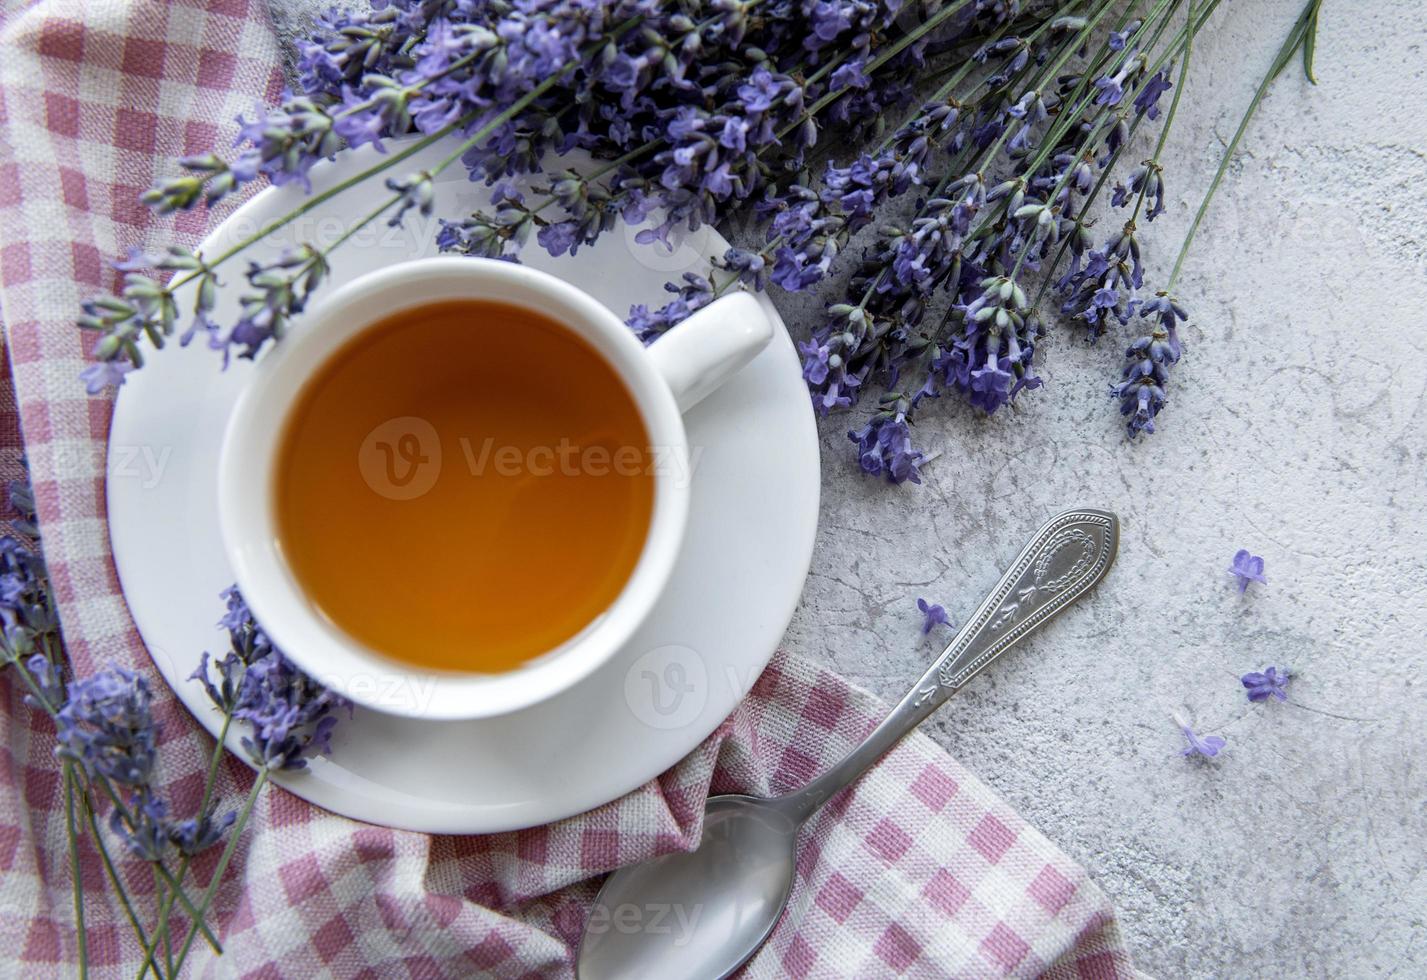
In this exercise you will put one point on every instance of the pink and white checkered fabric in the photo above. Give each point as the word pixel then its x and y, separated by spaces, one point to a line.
pixel 919 870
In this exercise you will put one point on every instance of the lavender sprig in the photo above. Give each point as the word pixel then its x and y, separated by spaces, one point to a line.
pixel 291 719
pixel 540 49
pixel 1203 746
pixel 106 737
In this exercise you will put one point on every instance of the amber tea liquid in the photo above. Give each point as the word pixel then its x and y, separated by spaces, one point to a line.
pixel 464 486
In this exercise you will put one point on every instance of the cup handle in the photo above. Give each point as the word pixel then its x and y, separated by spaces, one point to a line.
pixel 708 348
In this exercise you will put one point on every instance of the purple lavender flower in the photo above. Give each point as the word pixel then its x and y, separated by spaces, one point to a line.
pixel 208 178
pixel 1141 389
pixel 417 191
pixel 1104 288
pixel 104 723
pixel 26 610
pixel 147 309
pixel 1118 39
pixel 1147 101
pixel 649 325
pixel 497 235
pixel 1111 89
pixel 143 826
pixel 751 268
pixel 292 716
pixel 348 44
pixel 197 834
pixel 1208 746
pixel 107 728
pixel 560 238
pixel 380 108
pixel 281 289
pixel 1271 682
pixel 286 141
pixel 47 678
pixel 22 502
pixel 884 447
pixel 1147 363
pixel 932 615
pixel 1169 313
pixel 27 614
pixel 1247 568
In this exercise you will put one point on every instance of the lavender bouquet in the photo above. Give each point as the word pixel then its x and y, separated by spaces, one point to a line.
pixel 985 132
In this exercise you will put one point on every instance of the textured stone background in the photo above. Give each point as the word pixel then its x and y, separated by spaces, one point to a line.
pixel 1294 429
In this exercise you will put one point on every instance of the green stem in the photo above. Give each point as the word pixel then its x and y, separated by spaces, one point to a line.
pixel 166 908
pixel 1174 49
pixel 387 163
pixel 160 868
pixel 371 216
pixel 1110 164
pixel 1052 137
pixel 162 895
pixel 1173 106
pixel 817 107
pixel 113 875
pixel 944 91
pixel 1290 44
pixel 1067 49
pixel 318 199
pixel 33 685
pixel 1094 135
pixel 1071 112
pixel 1066 52
pixel 80 933
pixel 167 938
pixel 234 836
pixel 160 872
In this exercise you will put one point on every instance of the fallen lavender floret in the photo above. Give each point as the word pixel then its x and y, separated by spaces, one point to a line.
pixel 1207 746
pixel 1271 682
pixel 1247 568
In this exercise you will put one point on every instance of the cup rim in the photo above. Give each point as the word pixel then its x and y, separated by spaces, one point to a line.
pixel 251 443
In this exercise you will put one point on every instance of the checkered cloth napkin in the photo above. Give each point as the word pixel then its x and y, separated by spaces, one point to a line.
pixel 918 870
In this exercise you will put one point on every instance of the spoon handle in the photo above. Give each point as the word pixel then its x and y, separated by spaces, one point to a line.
pixel 1062 561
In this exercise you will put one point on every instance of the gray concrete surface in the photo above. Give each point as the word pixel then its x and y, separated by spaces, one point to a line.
pixel 1295 430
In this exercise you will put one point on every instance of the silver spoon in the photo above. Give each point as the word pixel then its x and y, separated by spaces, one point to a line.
pixel 701 914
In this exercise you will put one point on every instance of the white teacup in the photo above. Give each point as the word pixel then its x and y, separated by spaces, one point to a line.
pixel 664 379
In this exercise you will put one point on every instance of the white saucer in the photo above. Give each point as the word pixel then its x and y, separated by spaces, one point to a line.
pixel 749 543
